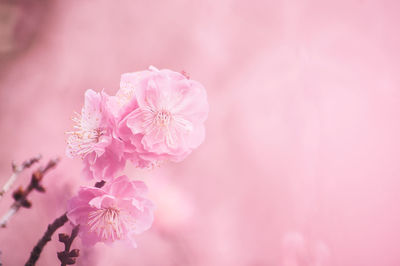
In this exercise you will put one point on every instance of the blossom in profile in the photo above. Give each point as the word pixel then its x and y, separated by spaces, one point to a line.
pixel 117 211
pixel 93 141
pixel 165 118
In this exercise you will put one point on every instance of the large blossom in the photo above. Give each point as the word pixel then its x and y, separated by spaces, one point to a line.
pixel 117 211
pixel 166 116
pixel 93 139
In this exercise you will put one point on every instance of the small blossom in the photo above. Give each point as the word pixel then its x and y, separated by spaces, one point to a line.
pixel 117 211
pixel 93 139
pixel 165 118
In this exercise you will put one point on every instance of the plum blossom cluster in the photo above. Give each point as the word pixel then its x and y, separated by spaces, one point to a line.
pixel 155 116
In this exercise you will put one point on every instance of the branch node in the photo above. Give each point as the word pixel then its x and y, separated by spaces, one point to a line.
pixel 68 257
pixel 20 195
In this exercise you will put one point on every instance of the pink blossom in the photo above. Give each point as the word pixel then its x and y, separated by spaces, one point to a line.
pixel 93 140
pixel 105 166
pixel 163 115
pixel 117 211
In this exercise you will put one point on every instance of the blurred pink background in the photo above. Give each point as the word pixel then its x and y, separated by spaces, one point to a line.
pixel 300 166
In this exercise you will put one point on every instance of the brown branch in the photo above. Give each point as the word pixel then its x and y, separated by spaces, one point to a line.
pixel 68 257
pixel 60 221
pixel 21 195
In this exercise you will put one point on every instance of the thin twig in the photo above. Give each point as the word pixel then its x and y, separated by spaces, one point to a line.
pixel 35 253
pixel 16 171
pixel 21 196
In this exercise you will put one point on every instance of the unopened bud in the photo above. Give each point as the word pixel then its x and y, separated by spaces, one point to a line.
pixel 18 193
pixel 74 253
pixel 63 237
pixel 37 177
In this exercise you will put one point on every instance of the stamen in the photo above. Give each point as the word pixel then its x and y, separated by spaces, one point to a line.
pixel 108 223
pixel 163 123
pixel 87 133
pixel 163 118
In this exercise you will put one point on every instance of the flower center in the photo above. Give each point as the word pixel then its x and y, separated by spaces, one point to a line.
pixel 107 223
pixel 163 118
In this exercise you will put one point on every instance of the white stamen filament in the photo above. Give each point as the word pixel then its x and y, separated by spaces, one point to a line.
pixel 164 122
pixel 163 118
pixel 81 141
pixel 109 223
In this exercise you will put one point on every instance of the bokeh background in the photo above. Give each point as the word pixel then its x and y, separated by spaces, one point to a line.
pixel 300 166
